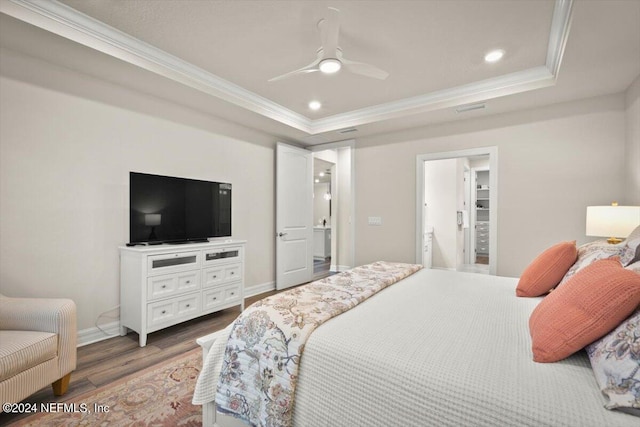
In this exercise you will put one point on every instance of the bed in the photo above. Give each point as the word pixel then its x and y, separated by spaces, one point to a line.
pixel 438 348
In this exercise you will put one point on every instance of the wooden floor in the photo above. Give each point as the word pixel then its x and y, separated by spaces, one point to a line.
pixel 107 361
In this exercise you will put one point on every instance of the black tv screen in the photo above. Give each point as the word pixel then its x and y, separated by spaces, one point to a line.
pixel 169 209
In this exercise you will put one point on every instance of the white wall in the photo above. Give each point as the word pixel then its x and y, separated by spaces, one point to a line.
pixel 64 165
pixel 633 143
pixel 552 163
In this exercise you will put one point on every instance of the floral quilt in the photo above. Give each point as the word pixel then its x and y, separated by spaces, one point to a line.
pixel 260 367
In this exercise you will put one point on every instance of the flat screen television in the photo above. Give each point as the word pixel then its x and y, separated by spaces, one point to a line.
pixel 164 209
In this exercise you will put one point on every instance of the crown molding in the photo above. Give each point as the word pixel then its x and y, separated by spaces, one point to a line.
pixel 508 84
pixel 559 34
pixel 67 22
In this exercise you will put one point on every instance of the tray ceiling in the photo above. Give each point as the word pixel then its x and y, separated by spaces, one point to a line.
pixel 433 51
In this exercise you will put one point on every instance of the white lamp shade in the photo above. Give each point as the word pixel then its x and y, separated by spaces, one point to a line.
pixel 612 221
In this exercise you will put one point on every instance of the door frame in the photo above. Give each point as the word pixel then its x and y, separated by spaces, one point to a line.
pixel 467 205
pixel 492 152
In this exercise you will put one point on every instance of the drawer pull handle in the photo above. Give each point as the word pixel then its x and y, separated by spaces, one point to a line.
pixel 232 293
pixel 188 281
pixel 232 273
pixel 215 277
pixel 188 305
pixel 164 311
pixel 215 298
pixel 164 286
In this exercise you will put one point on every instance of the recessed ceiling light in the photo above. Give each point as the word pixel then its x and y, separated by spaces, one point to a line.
pixel 315 105
pixel 330 65
pixel 321 174
pixel 494 55
pixel 317 180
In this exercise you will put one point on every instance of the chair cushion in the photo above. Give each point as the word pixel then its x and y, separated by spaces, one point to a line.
pixel 21 350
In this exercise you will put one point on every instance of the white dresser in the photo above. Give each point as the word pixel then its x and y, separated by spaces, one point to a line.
pixel 163 285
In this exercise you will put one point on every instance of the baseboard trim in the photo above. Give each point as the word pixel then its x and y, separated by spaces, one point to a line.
pixel 95 334
pixel 339 267
pixel 252 291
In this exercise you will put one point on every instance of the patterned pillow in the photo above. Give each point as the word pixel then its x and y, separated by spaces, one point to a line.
pixel 630 253
pixel 635 234
pixel 615 359
pixel 590 252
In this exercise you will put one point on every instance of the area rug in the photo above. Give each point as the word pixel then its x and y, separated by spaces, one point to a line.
pixel 157 396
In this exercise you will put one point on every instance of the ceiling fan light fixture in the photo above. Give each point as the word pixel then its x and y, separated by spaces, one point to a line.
pixel 330 65
pixel 494 56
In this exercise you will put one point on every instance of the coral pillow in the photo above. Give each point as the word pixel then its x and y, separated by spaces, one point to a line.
pixel 546 271
pixel 587 307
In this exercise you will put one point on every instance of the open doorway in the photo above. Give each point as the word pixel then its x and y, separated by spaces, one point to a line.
pixel 324 177
pixel 456 210
pixel 333 227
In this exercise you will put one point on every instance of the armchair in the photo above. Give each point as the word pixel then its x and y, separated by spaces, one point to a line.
pixel 37 346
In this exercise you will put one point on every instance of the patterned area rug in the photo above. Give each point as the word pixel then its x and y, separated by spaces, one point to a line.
pixel 157 396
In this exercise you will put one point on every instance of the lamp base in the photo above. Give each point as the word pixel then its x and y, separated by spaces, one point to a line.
pixel 614 240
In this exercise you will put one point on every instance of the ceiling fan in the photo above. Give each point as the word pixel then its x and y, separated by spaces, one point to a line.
pixel 329 59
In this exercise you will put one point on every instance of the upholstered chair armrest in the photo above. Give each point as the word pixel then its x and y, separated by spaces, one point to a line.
pixel 55 315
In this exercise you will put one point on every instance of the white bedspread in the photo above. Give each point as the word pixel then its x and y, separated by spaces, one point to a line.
pixel 443 349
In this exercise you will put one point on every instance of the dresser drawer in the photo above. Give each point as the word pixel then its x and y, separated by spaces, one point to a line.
pixel 213 276
pixel 482 226
pixel 167 311
pixel 173 262
pixel 212 298
pixel 222 255
pixel 232 293
pixel 482 249
pixel 222 295
pixel 172 284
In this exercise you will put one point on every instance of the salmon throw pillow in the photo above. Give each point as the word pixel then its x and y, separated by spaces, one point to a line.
pixel 587 307
pixel 546 271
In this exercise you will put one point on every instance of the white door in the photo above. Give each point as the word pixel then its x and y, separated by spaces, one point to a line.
pixel 294 216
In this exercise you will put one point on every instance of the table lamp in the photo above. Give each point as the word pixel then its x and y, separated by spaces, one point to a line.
pixel 612 221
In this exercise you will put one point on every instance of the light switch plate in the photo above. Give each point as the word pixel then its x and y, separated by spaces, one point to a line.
pixel 375 220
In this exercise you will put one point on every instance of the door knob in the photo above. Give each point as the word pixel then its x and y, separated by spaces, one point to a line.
pixel 282 234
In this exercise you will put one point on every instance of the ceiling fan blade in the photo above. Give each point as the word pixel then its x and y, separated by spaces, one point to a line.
pixel 313 67
pixel 363 69
pixel 330 28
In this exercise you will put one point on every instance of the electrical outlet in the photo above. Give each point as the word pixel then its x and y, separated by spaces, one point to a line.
pixel 375 220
